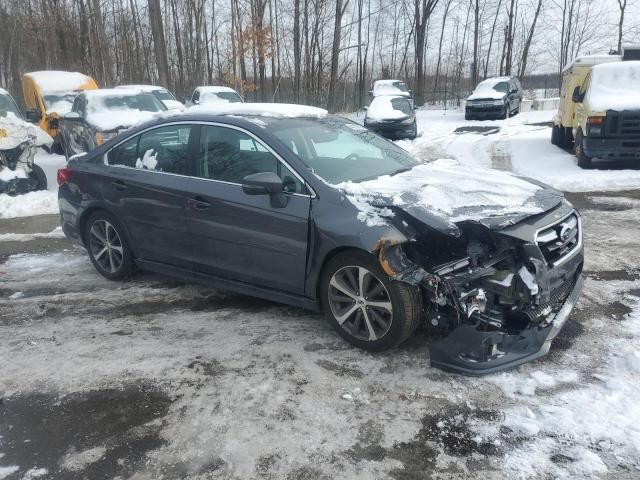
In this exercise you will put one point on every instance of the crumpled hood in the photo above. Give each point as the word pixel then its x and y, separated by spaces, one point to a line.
pixel 444 193
pixel 16 132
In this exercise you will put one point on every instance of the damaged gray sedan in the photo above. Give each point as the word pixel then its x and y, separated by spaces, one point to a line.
pixel 291 204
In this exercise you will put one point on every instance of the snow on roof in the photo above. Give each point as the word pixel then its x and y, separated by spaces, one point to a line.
pixel 280 110
pixel 390 87
pixel 381 108
pixel 590 60
pixel 486 89
pixel 615 86
pixel 214 89
pixel 140 88
pixel 58 81
pixel 110 92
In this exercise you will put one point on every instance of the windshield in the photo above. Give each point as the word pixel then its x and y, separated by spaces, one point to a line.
pixel 143 102
pixel 212 97
pixel 163 95
pixel 338 150
pixel 7 105
pixel 60 102
pixel 502 87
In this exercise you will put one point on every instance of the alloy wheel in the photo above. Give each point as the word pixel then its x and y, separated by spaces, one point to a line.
pixel 106 246
pixel 360 303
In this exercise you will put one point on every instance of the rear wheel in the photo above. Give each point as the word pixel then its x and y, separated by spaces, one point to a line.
pixel 556 135
pixel 108 247
pixel 365 306
pixel 584 160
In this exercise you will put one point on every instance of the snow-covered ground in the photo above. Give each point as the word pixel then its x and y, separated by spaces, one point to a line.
pixel 153 379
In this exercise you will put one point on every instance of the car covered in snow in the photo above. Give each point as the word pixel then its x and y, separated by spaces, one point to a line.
pixel 292 204
pixel 19 141
pixel 49 94
pixel 493 98
pixel 99 115
pixel 162 94
pixel 214 94
pixel 392 117
pixel 606 123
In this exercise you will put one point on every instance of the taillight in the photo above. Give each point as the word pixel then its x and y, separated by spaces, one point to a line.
pixel 63 175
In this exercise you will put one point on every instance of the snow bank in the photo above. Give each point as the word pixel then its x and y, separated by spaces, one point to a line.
pixel 51 81
pixel 615 86
pixel 450 190
pixel 381 108
pixel 44 202
pixel 279 110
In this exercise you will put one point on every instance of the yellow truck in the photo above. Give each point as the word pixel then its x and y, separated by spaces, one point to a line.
pixel 48 95
pixel 599 111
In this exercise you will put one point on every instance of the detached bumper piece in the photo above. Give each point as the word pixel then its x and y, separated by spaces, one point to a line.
pixel 18 186
pixel 477 349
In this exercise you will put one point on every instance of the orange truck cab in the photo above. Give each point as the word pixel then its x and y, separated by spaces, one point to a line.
pixel 48 95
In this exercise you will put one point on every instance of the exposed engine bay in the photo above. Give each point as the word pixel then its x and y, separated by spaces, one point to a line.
pixel 497 295
pixel 19 142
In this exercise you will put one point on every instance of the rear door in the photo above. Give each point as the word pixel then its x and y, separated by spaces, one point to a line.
pixel 239 236
pixel 146 188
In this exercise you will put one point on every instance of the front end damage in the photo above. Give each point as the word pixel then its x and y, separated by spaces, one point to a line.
pixel 499 297
pixel 19 142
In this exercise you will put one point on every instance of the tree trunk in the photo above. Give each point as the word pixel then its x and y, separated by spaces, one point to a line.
pixel 335 54
pixel 527 45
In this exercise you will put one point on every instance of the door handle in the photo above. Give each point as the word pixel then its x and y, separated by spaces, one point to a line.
pixel 198 203
pixel 118 186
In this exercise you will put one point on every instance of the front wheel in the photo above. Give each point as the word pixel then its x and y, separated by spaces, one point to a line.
pixel 364 305
pixel 39 176
pixel 108 247
pixel 584 160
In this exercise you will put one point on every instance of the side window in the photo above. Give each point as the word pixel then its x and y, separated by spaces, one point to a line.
pixel 196 96
pixel 229 155
pixel 125 154
pixel 165 149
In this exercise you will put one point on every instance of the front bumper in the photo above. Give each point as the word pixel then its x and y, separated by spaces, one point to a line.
pixel 472 351
pixel 612 148
pixel 393 131
pixel 488 112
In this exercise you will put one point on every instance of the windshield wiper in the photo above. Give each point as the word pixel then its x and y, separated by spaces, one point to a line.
pixel 400 170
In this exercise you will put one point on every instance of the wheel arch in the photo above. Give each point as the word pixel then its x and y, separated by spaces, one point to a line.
pixel 86 214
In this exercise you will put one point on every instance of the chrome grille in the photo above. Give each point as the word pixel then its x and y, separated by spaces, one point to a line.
pixel 559 240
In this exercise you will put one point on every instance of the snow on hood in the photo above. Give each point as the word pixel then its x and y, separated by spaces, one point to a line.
pixel 485 89
pixel 17 131
pixel 444 192
pixel 277 110
pixel 381 108
pixel 49 81
pixel 615 86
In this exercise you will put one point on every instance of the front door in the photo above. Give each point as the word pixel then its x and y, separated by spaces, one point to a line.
pixel 146 189
pixel 244 237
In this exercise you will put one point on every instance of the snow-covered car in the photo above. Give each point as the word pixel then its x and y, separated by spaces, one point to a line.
pixel 99 115
pixel 215 94
pixel 295 205
pixel 493 98
pixel 390 87
pixel 162 94
pixel 392 117
pixel 19 141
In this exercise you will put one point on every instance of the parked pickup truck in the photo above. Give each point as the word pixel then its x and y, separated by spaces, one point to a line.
pixel 599 110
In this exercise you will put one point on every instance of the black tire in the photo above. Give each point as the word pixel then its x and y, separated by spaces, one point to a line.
pixel 38 175
pixel 556 135
pixel 467 116
pixel 405 301
pixel 584 161
pixel 118 251
pixel 414 132
pixel 567 138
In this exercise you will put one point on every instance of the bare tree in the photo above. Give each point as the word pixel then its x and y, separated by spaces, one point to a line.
pixel 159 44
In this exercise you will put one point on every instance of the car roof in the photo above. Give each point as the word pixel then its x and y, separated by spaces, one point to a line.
pixel 214 89
pixel 277 110
pixel 111 92
pixel 141 88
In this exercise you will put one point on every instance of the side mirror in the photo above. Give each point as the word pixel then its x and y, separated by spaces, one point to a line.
pixel 265 183
pixel 577 97
pixel 32 115
pixel 366 108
